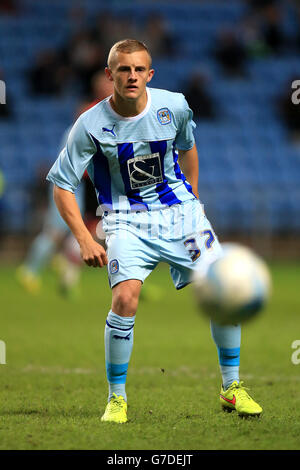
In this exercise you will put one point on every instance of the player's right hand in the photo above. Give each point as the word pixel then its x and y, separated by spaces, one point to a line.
pixel 93 254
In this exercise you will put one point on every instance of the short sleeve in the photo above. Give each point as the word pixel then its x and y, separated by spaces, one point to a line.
pixel 185 135
pixel 74 158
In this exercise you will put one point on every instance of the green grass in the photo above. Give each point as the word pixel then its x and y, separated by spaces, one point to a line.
pixel 53 388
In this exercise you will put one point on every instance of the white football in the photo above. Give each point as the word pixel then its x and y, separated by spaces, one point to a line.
pixel 235 287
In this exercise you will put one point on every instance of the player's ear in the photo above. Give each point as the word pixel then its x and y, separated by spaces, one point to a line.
pixel 150 75
pixel 108 74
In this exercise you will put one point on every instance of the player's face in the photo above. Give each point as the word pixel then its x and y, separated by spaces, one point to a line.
pixel 130 74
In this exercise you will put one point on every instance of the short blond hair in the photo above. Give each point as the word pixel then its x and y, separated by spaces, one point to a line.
pixel 127 46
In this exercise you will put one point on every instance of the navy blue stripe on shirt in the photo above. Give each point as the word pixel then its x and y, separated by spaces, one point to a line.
pixel 125 152
pixel 178 173
pixel 164 191
pixel 102 179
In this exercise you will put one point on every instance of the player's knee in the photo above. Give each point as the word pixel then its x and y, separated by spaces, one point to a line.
pixel 125 303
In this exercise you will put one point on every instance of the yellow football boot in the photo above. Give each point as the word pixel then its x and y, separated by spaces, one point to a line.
pixel 28 280
pixel 236 398
pixel 116 410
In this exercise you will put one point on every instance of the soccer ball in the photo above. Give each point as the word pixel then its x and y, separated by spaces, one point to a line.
pixel 235 287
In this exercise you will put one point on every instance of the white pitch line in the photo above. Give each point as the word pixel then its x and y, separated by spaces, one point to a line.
pixel 180 371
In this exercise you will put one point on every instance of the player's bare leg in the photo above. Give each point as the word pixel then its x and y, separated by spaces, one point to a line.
pixel 118 346
pixel 125 297
pixel 67 264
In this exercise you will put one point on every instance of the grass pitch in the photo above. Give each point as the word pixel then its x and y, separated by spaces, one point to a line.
pixel 53 388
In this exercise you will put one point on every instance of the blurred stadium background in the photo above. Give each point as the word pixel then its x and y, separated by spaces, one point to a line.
pixel 235 62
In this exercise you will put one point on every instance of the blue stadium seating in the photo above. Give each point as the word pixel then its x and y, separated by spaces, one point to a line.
pixel 249 170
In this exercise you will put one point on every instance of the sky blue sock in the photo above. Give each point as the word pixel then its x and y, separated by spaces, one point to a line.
pixel 118 338
pixel 228 342
pixel 40 251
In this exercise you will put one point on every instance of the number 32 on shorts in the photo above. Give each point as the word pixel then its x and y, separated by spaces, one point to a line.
pixel 193 248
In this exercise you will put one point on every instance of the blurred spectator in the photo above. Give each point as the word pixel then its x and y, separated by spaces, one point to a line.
pixel 231 54
pixel 5 110
pixel 77 18
pixel 109 29
pixel 297 16
pixel 272 28
pixel 105 27
pixel 101 87
pixel 252 38
pixel 260 4
pixel 85 56
pixel 198 97
pixel 8 7
pixel 290 112
pixel 262 29
pixel 158 39
pixel 49 75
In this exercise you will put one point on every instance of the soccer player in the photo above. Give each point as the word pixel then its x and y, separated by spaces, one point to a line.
pixel 139 150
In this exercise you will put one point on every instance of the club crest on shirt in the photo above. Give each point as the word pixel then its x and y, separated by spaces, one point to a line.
pixel 114 266
pixel 164 116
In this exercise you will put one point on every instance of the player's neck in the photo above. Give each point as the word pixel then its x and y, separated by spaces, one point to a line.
pixel 128 108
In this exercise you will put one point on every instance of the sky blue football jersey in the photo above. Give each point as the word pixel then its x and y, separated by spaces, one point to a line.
pixel 132 161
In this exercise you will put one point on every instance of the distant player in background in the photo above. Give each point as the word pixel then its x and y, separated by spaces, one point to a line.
pixel 131 144
pixel 55 242
pixel 54 237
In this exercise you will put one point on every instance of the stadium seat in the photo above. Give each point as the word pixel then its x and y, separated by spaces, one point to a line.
pixel 245 151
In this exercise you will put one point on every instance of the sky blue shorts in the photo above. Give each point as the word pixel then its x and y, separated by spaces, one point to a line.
pixel 179 235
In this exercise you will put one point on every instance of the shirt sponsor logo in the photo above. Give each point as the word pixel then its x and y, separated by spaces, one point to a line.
pixel 144 170
pixel 164 116
pixel 114 266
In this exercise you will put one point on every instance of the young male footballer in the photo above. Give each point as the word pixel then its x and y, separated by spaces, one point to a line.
pixel 139 150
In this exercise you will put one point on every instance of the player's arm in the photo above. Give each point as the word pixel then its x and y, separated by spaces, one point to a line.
pixel 189 164
pixel 66 174
pixel 185 142
pixel 92 253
